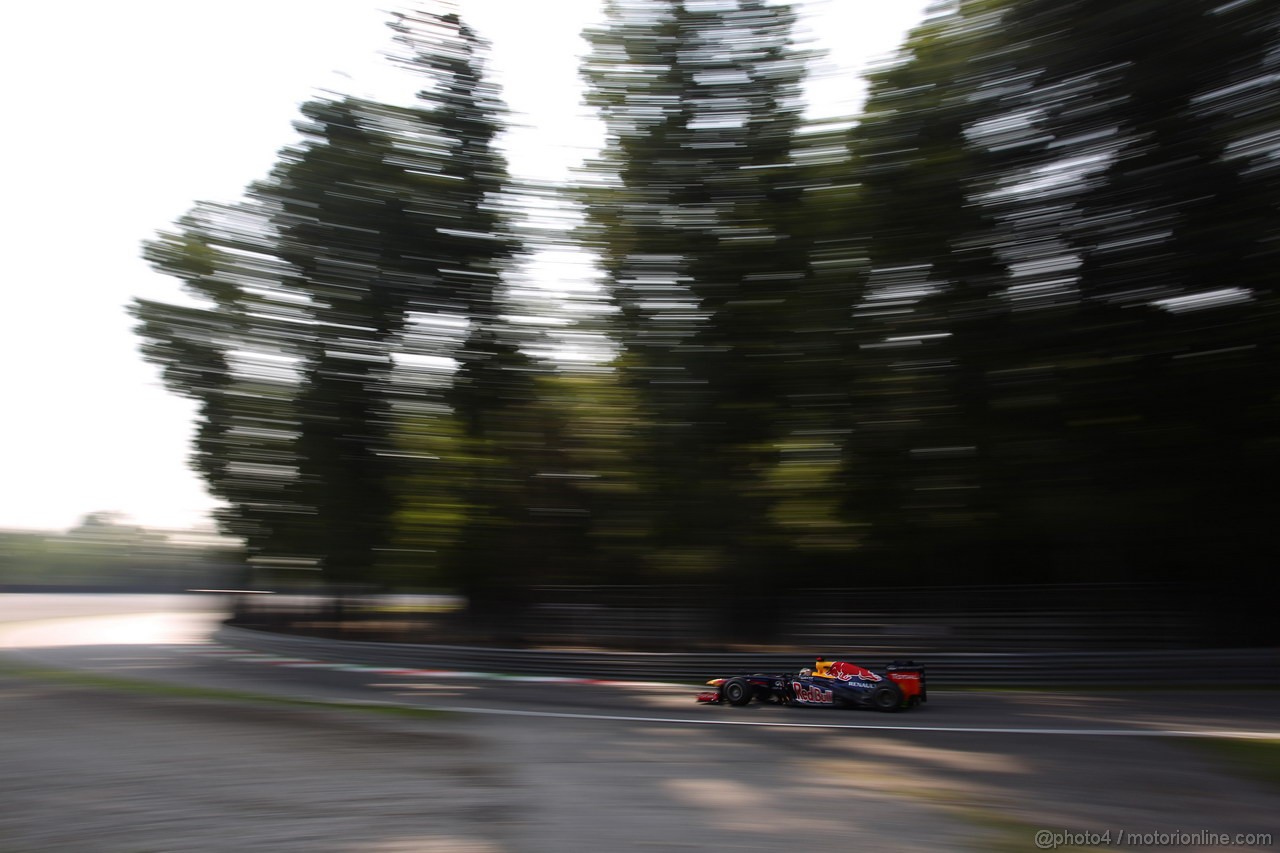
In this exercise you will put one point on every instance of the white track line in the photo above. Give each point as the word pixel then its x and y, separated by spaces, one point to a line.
pixel 1184 733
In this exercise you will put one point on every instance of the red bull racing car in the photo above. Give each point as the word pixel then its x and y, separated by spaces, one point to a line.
pixel 832 684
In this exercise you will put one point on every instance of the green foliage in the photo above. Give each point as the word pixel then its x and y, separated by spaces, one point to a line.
pixel 104 552
pixel 692 207
pixel 1015 323
pixel 1063 332
pixel 333 304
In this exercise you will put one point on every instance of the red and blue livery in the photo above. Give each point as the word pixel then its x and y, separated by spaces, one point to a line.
pixel 833 684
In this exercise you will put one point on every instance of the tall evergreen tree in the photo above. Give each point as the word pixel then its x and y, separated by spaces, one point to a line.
pixel 1069 216
pixel 925 320
pixel 1167 344
pixel 375 233
pixel 687 209
pixel 234 355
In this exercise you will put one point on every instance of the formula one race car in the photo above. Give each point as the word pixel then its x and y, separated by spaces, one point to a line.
pixel 833 684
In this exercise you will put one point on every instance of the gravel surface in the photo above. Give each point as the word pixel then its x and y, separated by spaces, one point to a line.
pixel 102 771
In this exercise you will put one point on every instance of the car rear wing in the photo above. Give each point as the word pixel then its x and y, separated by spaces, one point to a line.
pixel 910 678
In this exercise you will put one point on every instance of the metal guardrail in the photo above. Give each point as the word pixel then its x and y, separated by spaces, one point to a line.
pixel 1163 668
pixel 675 618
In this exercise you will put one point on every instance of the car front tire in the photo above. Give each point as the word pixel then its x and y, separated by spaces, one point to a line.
pixel 736 692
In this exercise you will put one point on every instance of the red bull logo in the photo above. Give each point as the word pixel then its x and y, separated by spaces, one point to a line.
pixel 848 672
pixel 811 694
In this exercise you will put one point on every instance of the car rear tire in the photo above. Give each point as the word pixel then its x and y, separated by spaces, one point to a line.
pixel 886 697
pixel 736 692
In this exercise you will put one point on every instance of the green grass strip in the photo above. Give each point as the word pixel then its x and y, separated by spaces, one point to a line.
pixel 80 678
pixel 1256 759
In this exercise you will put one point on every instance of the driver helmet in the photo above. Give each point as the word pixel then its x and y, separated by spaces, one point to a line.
pixel 806 672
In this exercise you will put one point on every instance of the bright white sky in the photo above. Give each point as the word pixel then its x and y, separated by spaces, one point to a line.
pixel 121 115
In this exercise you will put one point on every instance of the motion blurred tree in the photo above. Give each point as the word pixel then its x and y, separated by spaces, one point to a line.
pixel 688 206
pixel 371 251
pixel 1166 349
pixel 1018 323
pixel 234 358
pixel 1066 332
pixel 924 316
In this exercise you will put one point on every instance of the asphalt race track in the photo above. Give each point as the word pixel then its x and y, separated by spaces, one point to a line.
pixel 171 645
pixel 567 766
